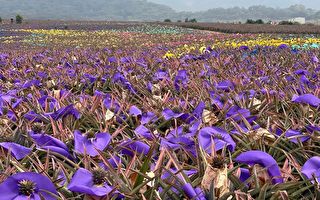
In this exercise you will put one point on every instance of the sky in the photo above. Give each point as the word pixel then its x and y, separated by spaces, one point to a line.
pixel 197 5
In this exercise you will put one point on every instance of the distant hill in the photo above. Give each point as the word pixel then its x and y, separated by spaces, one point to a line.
pixel 85 10
pixel 141 10
pixel 201 5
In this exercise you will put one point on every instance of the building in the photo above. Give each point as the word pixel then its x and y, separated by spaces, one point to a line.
pixel 300 20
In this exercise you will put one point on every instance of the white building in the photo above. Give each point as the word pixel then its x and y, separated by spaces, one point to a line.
pixel 300 20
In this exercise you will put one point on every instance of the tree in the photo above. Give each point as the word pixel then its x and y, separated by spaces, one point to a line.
pixel 19 19
pixel 0 20
pixel 250 21
pixel 287 23
pixel 259 21
pixel 167 20
pixel 194 20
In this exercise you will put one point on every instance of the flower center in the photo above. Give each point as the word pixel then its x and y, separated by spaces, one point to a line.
pixel 37 128
pixel 186 128
pixel 176 110
pixel 26 187
pixel 218 162
pixel 91 135
pixel 5 111
pixel 99 176
pixel 217 136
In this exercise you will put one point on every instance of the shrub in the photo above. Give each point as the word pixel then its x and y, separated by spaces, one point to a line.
pixel 19 19
pixel 259 21
pixel 251 21
pixel 288 23
pixel 167 20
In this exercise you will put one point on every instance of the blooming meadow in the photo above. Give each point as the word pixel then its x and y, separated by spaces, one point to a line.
pixel 158 112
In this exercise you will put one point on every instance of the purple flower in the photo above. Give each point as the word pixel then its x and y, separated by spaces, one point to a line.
pixel 147 117
pixel 217 100
pixel 236 113
pixel 244 174
pixel 312 167
pixel 161 75
pixel 62 177
pixel 30 83
pixel 48 142
pixel 9 99
pixel 225 85
pixel 17 151
pixel 301 72
pixel 114 161
pixel 219 136
pixel 173 175
pixel 130 147
pixel 283 46
pixel 92 183
pixel 263 159
pixel 47 100
pixel 312 128
pixel 169 114
pixel 34 117
pixel 64 112
pixel 27 185
pixel 181 79
pixel 197 112
pixel 179 142
pixel 307 99
pixel 134 111
pixel 144 132
pixel 315 59
pixel 83 144
pixel 243 47
pixel 111 103
pixel 193 193
pixel 112 59
pixel 296 134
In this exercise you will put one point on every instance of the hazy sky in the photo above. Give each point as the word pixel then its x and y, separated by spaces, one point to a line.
pixel 195 5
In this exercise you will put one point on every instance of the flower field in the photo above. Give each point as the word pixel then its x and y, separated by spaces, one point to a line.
pixel 149 111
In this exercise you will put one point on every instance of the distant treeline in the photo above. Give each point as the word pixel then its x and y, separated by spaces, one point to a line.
pixel 143 10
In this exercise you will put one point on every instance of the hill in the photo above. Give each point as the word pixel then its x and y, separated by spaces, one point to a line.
pixel 85 10
pixel 142 10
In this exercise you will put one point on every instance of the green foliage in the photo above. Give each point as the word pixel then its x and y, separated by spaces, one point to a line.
pixel 288 23
pixel 0 20
pixel 259 21
pixel 167 20
pixel 251 21
pixel 19 19
pixel 194 20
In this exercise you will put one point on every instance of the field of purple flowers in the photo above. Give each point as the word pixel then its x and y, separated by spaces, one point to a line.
pixel 137 120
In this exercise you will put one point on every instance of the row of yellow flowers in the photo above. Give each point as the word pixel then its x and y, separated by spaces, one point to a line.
pixel 179 44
